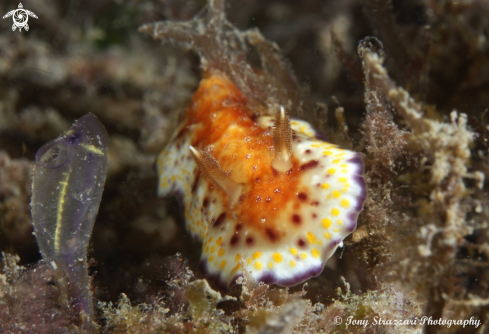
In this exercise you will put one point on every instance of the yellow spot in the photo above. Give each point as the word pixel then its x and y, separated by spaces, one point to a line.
pixel 335 212
pixel 258 265
pixel 270 265
pixel 336 230
pixel 220 252
pixel 320 243
pixel 304 256
pixel 173 178
pixel 336 194
pixel 207 249
pixel 345 203
pixel 293 251
pixel 249 261
pixel 328 153
pixel 335 161
pixel 327 235
pixel 314 252
pixel 292 263
pixel 213 249
pixel 339 222
pixel 331 171
pixel 256 255
pixel 238 266
pixel 237 258
pixel 211 258
pixel 316 145
pixel 277 257
pixel 219 241
pixel 311 238
pixel 344 171
pixel 326 222
pixel 223 264
pixel 342 179
pixel 325 186
pixel 343 165
pixel 344 190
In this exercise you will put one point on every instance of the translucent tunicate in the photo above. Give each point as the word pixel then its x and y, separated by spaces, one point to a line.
pixel 69 178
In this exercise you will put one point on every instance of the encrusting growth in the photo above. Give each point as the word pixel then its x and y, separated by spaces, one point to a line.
pixel 211 170
pixel 282 142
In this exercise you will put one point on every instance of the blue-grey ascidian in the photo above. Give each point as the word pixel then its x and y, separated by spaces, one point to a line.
pixel 69 178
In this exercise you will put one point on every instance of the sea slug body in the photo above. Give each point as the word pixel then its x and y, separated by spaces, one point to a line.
pixel 262 193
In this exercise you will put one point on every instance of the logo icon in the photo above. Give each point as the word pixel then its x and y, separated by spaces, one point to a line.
pixel 20 16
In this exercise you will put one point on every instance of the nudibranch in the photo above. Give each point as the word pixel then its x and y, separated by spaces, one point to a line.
pixel 262 193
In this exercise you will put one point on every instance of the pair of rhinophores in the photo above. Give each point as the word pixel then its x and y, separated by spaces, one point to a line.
pixel 262 193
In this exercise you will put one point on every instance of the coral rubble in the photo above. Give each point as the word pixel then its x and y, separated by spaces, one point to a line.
pixel 412 98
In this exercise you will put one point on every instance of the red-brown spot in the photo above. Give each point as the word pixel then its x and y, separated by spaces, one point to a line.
pixel 181 133
pixel 205 203
pixel 308 151
pixel 301 243
pixel 271 234
pixel 314 215
pixel 239 226
pixel 302 197
pixel 315 203
pixel 249 240
pixel 310 164
pixel 234 240
pixel 220 219
pixel 296 219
